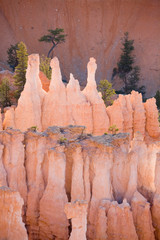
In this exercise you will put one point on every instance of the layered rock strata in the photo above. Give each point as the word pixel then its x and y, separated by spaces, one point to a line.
pixel 62 106
pixel 108 185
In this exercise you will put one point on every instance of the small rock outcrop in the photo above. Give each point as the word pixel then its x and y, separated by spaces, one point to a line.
pixel 77 211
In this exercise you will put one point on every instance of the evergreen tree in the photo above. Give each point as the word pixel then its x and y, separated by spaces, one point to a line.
pixel 55 37
pixel 12 56
pixel 129 74
pixel 5 93
pixel 157 97
pixel 45 66
pixel 105 87
pixel 20 71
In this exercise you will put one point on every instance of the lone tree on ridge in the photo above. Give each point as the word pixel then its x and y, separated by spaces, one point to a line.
pixel 55 37
pixel 129 74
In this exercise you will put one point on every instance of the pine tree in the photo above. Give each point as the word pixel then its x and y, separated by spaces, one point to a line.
pixel 129 74
pixel 12 56
pixel 55 37
pixel 5 93
pixel 157 97
pixel 105 87
pixel 20 71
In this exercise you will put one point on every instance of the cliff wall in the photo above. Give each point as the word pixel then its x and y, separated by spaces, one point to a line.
pixel 94 29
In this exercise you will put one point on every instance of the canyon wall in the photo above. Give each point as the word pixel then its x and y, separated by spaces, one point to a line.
pixel 107 185
pixel 94 28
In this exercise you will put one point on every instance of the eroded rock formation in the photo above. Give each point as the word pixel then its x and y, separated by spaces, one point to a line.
pixel 111 181
pixel 108 185
pixel 62 106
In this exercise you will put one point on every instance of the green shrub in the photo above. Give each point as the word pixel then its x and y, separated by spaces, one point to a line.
pixel 33 128
pixel 105 87
pixel 45 66
pixel 63 140
pixel 113 129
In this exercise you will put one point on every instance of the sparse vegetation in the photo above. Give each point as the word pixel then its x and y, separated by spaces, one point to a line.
pixel 33 128
pixel 5 93
pixel 55 37
pixel 45 66
pixel 105 87
pixel 20 70
pixel 129 74
pixel 63 140
pixel 113 129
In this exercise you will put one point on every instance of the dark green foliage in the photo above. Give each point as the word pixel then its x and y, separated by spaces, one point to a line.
pixel 5 93
pixel 20 71
pixel 129 74
pixel 105 87
pixel 55 37
pixel 12 56
pixel 45 66
pixel 157 97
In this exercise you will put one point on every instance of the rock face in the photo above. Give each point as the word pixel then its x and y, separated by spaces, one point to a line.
pixel 11 226
pixel 63 106
pixel 77 211
pixel 105 184
pixel 94 28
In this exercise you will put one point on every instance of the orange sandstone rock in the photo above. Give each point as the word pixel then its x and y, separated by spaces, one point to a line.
pixel 101 226
pixel 28 111
pixel 53 222
pixel 156 215
pixel 9 120
pixel 45 81
pixel 77 211
pixel 139 118
pixel 142 217
pixel 79 107
pixel 13 161
pixel 152 124
pixel 54 109
pixel 120 223
pixel 77 188
pixel 3 174
pixel 11 226
pixel 99 115
pixel 35 150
